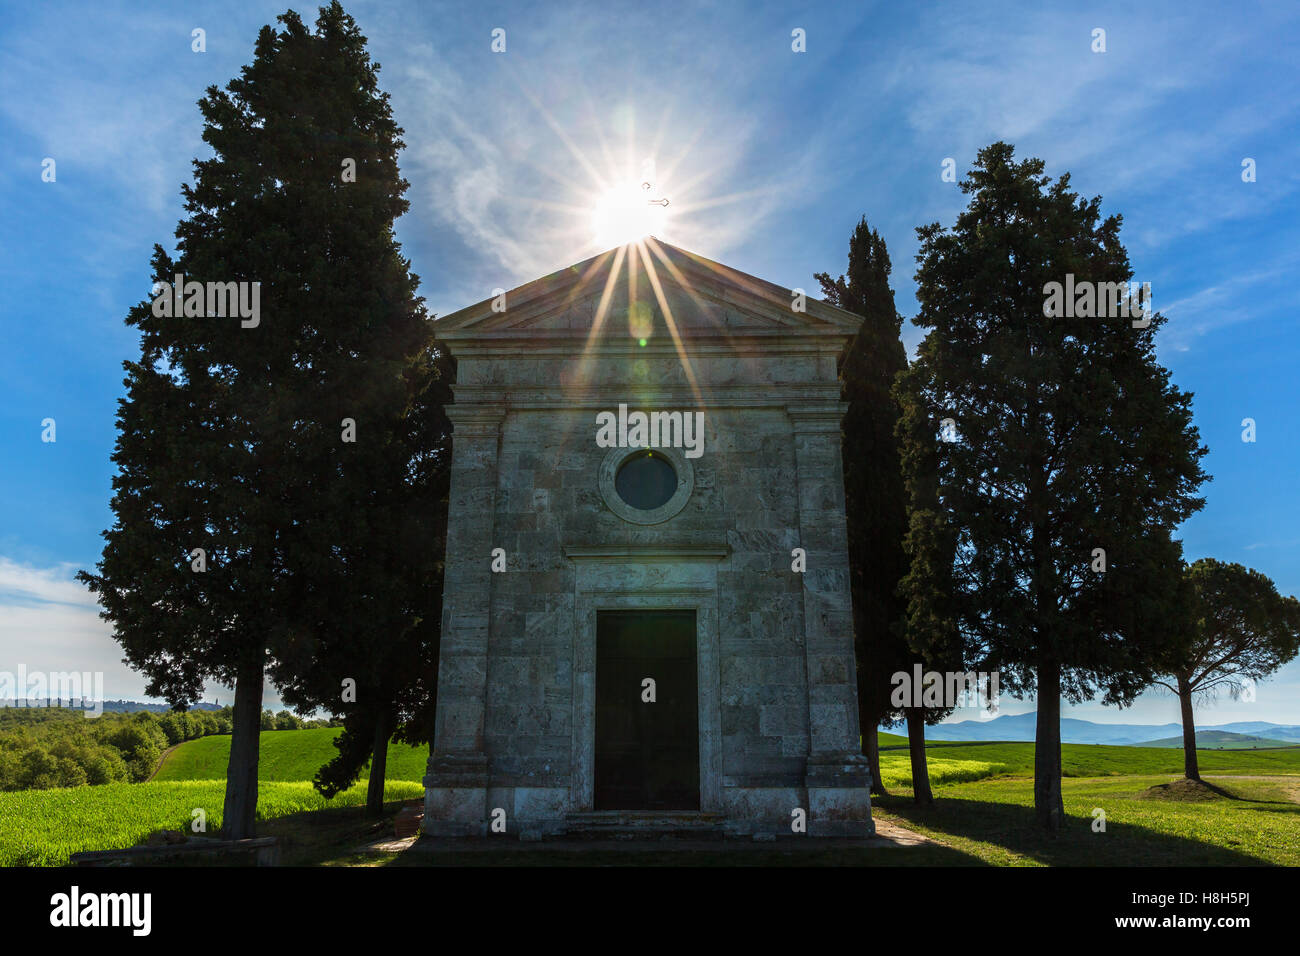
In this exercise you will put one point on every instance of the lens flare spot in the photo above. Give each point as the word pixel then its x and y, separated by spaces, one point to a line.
pixel 640 321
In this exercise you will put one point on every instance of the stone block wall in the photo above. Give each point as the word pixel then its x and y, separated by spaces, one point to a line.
pixel 778 715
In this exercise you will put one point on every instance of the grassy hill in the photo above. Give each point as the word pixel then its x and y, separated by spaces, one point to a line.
pixel 285 755
pixel 1221 740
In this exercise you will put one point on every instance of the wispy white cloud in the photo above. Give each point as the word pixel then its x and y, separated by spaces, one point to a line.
pixel 23 583
pixel 1119 119
pixel 125 131
pixel 1230 300
pixel 1287 543
pixel 50 623
pixel 511 153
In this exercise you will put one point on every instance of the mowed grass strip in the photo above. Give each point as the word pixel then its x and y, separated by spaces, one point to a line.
pixel 1099 760
pixel 45 827
pixel 896 770
pixel 284 755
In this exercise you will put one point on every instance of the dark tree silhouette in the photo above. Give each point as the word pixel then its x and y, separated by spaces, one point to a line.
pixel 875 501
pixel 375 609
pixel 1237 628
pixel 1048 458
pixel 232 436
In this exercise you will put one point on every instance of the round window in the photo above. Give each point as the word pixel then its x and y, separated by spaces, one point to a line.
pixel 646 481
pixel 645 485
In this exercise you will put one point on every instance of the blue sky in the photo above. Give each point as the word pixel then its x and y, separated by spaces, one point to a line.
pixel 768 156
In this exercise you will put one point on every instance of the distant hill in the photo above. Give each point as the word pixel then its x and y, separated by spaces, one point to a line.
pixel 1259 727
pixel 110 706
pixel 1075 731
pixel 1222 740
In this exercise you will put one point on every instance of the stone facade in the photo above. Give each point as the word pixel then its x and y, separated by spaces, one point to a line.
pixel 778 725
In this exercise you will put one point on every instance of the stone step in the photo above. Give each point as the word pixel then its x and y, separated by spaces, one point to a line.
pixel 644 824
pixel 407 822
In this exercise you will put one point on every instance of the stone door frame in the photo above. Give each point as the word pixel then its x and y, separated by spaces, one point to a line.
pixel 655 583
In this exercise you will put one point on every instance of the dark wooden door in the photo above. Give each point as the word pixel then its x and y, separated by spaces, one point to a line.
pixel 647 754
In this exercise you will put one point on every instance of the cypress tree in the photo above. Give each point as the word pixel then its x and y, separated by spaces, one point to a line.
pixel 251 448
pixel 1048 457
pixel 875 500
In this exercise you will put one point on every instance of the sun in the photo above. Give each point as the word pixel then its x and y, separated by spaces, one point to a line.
pixel 625 213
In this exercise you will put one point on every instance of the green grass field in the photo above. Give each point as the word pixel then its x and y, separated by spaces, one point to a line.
pixel 284 755
pixel 44 827
pixel 1151 819
pixel 983 812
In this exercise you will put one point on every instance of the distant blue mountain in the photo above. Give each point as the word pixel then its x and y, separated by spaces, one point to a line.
pixel 1075 731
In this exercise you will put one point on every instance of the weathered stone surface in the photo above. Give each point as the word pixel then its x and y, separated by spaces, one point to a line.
pixel 517 682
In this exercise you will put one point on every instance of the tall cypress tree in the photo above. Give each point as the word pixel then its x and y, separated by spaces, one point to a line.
pixel 372 613
pixel 1048 457
pixel 875 499
pixel 261 442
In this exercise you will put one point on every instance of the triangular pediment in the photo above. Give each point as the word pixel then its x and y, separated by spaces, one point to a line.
pixel 642 290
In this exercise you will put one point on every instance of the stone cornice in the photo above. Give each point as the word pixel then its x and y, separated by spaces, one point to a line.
pixel 603 397
pixel 775 342
pixel 646 552
pixel 476 418
pixel 817 417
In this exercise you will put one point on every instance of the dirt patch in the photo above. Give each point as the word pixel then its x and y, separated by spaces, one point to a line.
pixel 889 833
pixel 162 759
pixel 1184 791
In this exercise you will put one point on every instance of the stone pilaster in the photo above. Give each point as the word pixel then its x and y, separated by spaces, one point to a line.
pixel 456 785
pixel 837 779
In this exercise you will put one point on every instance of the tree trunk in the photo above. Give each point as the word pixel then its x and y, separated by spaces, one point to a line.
pixel 1049 808
pixel 916 744
pixel 871 744
pixel 378 766
pixel 240 812
pixel 1191 769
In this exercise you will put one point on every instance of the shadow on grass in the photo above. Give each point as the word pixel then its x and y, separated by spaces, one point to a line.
pixel 1282 805
pixel 337 836
pixel 1014 827
pixel 314 837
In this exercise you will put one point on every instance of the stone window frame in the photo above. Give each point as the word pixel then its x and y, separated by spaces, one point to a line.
pixel 615 459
